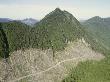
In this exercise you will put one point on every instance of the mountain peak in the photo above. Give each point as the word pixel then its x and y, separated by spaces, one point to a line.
pixel 59 14
pixel 57 29
pixel 58 9
pixel 95 18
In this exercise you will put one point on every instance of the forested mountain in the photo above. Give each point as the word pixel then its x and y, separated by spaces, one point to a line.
pixel 92 71
pixel 50 49
pixel 100 29
pixel 5 20
pixel 53 31
pixel 56 29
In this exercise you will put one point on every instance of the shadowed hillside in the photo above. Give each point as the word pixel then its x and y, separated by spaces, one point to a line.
pixel 4 47
pixel 100 29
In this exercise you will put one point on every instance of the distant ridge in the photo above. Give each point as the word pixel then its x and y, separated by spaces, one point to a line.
pixel 100 29
pixel 29 21
pixel 5 20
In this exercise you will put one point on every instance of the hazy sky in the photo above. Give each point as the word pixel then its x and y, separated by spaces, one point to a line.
pixel 81 9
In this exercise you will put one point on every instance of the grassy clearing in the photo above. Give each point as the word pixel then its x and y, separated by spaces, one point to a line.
pixel 90 71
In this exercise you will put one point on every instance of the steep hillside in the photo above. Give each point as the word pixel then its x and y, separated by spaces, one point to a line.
pixel 93 71
pixel 56 29
pixel 17 35
pixel 99 29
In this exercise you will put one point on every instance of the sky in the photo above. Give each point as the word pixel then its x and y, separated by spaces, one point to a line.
pixel 81 9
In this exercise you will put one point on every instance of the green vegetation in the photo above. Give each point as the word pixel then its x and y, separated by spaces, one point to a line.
pixel 4 47
pixel 17 35
pixel 54 31
pixel 96 44
pixel 99 28
pixel 90 71
pixel 94 71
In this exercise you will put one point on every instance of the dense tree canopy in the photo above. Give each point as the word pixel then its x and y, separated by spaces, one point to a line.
pixel 54 31
pixel 17 34
pixel 4 47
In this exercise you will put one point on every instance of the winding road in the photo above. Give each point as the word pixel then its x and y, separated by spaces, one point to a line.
pixel 17 79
